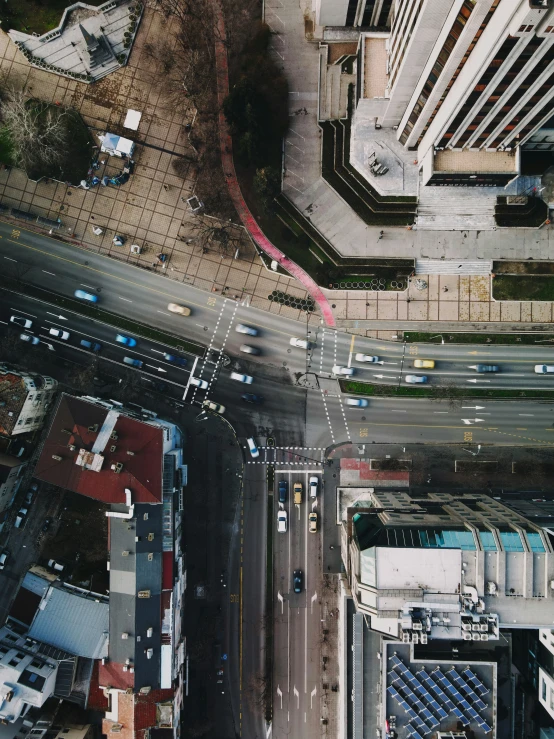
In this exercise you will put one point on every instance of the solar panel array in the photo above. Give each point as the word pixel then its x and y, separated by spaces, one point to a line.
pixel 428 698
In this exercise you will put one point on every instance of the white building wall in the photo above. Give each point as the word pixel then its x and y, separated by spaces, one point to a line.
pixel 31 416
pixel 546 692
pixel 331 12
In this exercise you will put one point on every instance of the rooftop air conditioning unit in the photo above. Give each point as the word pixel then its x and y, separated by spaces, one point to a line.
pixel 415 638
pixel 125 553
pixel 484 637
pixel 116 728
pixel 114 436
pixel 117 467
pixel 56 458
pixel 476 637
pixel 466 636
pixel 144 594
pixel 113 448
pixel 125 668
pixel 406 637
pixel 125 635
pixel 149 653
pixel 466 627
pixel 93 429
pixel 145 689
pixel 71 447
pixel 424 638
pixel 149 632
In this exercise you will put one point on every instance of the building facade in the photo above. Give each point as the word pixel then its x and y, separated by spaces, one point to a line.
pixel 24 401
pixel 11 469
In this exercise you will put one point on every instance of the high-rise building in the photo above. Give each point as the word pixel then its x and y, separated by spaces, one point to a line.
pixel 445 566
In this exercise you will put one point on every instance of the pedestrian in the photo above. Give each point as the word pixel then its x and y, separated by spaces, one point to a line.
pixel 92 218
pixel 381 234
pixel 445 289
pixel 166 187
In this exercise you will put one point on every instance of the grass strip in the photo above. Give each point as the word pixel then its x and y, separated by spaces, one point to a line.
pixel 103 316
pixel 268 620
pixel 366 388
pixel 530 337
pixel 523 287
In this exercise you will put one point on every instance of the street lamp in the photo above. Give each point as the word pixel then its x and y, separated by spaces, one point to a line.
pixel 473 453
pixel 438 336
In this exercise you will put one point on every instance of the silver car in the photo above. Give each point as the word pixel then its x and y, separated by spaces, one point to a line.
pixel 242 378
pixel 241 328
pixel 415 379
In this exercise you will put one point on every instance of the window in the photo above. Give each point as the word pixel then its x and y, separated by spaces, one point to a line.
pixel 511 541
pixel 487 540
pixel 535 541
pixel 543 690
pixel 36 663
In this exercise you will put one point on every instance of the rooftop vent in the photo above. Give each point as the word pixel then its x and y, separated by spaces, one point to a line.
pixel 56 458
pixel 114 436
pixel 125 553
pixel 117 467
pixel 145 516
pixel 149 632
pixel 93 429
pixel 150 556
pixel 145 690
pixel 150 536
pixel 71 447
pixel 144 594
pixel 130 453
pixel 113 448
pixel 116 728
pixel 125 635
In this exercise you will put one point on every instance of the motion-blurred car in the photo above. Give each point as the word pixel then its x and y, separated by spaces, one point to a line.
pixel 92 346
pixel 34 340
pixel 300 343
pixel 181 361
pixel 482 368
pixel 340 370
pixel 59 333
pixel 242 378
pixel 176 308
pixel 197 382
pixel 251 398
pixel 19 321
pixel 132 362
pixel 544 369
pixel 415 379
pixel 424 363
pixel 356 402
pixel 297 581
pixel 211 406
pixel 125 340
pixel 366 358
pixel 241 328
pixel 312 523
pixel 254 451
pixel 83 295
pixel 282 519
pixel 247 349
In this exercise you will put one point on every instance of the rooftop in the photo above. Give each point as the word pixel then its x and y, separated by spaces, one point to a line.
pixel 13 394
pixel 99 453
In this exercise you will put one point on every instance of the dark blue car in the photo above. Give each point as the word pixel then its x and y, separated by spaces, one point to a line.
pixel 181 361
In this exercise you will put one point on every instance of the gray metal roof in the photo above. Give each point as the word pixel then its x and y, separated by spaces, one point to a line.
pixel 72 622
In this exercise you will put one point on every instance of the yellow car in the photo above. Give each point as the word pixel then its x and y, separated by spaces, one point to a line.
pixel 312 523
pixel 297 493
pixel 424 363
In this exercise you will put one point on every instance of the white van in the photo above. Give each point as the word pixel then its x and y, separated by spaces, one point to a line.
pixel 55 565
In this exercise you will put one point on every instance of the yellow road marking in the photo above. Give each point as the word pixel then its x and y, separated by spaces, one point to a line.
pixel 352 343
pixel 115 277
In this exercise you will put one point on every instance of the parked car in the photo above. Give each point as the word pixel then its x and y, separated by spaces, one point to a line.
pixel 254 451
pixel 340 370
pixel 282 519
pixel 247 349
pixel 132 362
pixel 93 346
pixel 242 378
pixel 176 308
pixel 297 490
pixel 241 328
pixel 55 565
pixel 313 485
pixel 312 522
pixel 83 295
pixel 59 333
pixel 29 497
pixel 415 379
pixel 4 558
pixel 481 368
pixel 300 343
pixel 197 382
pixel 21 518
pixel 283 490
pixel 216 407
pixel 366 358
pixel 181 361
pixel 251 398
pixel 357 402
pixel 544 369
pixel 34 340
pixel 125 340
pixel 19 321
pixel 424 363
pixel 297 581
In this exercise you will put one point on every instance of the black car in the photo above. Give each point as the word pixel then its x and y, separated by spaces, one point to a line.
pixel 481 368
pixel 283 488
pixel 46 524
pixel 297 581
pixel 251 398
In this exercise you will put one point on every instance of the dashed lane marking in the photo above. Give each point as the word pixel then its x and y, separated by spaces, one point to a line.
pixel 327 414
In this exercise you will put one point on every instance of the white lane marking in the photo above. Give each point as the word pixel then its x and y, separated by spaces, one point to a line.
pixel 312 601
pixel 125 299
pixel 10 259
pixel 385 377
pixel 62 318
pixel 4 322
pixel 297 694
pixel 474 407
pixel 89 286
pixel 160 369
pixel 440 412
pixel 48 273
pixel 280 694
pixel 191 375
pixel 157 351
pixel 471 421
pixel 327 414
pixel 529 415
pixel 24 311
pixel 393 411
pixel 312 696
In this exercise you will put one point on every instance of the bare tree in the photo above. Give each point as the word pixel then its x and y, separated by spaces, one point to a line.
pixel 450 393
pixel 211 234
pixel 37 131
pixel 258 692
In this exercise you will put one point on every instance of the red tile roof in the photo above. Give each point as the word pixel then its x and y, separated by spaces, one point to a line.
pixel 111 674
pixel 97 701
pixel 138 447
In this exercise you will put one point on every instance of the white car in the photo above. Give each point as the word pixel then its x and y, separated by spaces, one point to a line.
pixel 415 379
pixel 59 333
pixel 313 485
pixel 242 378
pixel 27 337
pixel 210 405
pixel 366 358
pixel 357 402
pixel 300 343
pixel 242 329
pixel 340 370
pixel 254 451
pixel 25 322
pixel 544 369
pixel 176 308
pixel 197 382
pixel 282 522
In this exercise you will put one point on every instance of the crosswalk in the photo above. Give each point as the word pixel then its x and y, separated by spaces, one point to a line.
pixel 288 456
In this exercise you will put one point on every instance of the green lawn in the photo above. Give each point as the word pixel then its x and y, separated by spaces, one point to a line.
pixel 366 388
pixel 418 337
pixel 34 16
pixel 523 287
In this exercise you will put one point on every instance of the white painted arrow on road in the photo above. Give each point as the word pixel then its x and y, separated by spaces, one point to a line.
pixel 62 318
pixel 314 599
pixel 479 380
pixel 297 694
pixel 280 694
pixel 473 407
pixel 385 377
pixel 280 597
pixel 312 696
pixel 470 421
pixel 160 369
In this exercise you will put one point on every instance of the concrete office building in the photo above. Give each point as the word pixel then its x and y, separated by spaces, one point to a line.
pixel 445 566
pixel 24 400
